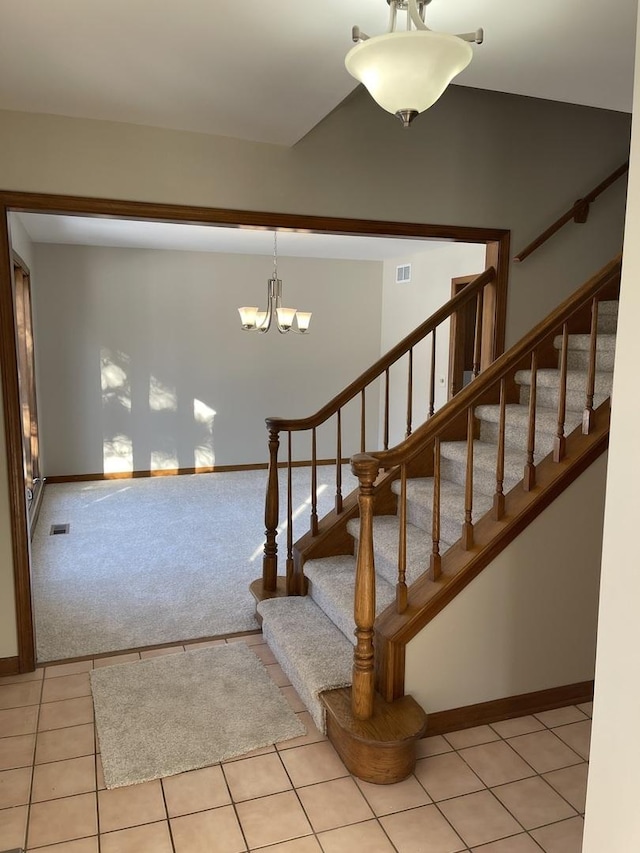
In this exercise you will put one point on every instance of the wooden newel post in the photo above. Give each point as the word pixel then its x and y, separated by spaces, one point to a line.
pixel 271 513
pixel 364 610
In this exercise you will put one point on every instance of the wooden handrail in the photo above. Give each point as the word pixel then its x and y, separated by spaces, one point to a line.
pixel 578 212
pixel 384 363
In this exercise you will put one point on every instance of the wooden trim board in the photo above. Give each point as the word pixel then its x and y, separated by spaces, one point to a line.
pixel 10 666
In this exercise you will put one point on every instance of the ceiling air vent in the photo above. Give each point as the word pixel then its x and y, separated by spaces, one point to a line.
pixel 403 274
pixel 57 529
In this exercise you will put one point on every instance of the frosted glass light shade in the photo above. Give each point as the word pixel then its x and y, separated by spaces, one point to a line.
pixel 248 316
pixel 285 317
pixel 304 318
pixel 407 71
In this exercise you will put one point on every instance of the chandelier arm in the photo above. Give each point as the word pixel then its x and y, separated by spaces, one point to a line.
pixel 415 16
pixel 393 14
pixel 477 37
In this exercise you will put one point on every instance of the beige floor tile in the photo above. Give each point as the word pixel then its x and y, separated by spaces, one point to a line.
pixel 158 653
pixel 496 763
pixel 36 675
pixel 586 708
pixel 64 778
pixel 571 782
pixel 445 776
pixel 544 751
pixel 58 744
pixel 64 714
pixel 19 695
pixel 215 831
pixel 561 716
pixel 435 745
pixel 270 820
pixel 15 786
pixel 422 830
pixel 517 726
pixel 195 791
pixel 471 737
pixel 533 803
pixel 18 721
pixel 265 654
pixel 577 736
pixel 17 751
pixel 256 777
pixel 387 799
pixel 369 837
pixel 515 844
pixel 13 826
pixel 278 675
pixel 62 820
pixel 82 845
pixel 332 804
pixel 317 762
pixel 132 805
pixel 151 838
pixel 66 687
pixel 565 837
pixel 313 735
pixel 308 844
pixel 479 818
pixel 263 750
pixel 293 699
pixel 58 669
pixel 116 660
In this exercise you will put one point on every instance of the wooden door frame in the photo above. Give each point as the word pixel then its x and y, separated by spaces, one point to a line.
pixel 495 239
pixel 455 366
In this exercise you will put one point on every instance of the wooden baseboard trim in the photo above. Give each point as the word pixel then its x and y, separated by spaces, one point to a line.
pixel 9 666
pixel 505 709
pixel 176 472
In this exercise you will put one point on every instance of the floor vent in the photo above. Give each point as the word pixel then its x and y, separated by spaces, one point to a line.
pixel 57 529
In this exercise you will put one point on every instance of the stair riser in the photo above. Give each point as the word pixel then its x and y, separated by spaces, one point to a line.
pixel 484 481
pixel 342 620
pixel 608 323
pixel 549 398
pixel 579 359
pixel 517 438
pixel 450 523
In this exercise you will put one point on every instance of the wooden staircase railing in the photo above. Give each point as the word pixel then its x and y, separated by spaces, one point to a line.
pixel 356 391
pixel 535 351
pixel 579 213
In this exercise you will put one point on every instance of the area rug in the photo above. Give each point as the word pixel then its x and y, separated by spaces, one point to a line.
pixel 169 714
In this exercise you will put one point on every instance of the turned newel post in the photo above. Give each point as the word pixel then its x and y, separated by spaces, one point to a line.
pixel 271 513
pixel 364 610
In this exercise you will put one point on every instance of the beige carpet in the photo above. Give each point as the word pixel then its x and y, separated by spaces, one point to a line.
pixel 179 712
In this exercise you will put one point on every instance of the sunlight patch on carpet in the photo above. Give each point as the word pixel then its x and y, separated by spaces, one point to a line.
pixel 179 712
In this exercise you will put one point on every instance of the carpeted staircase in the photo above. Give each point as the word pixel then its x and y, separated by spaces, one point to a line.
pixel 312 636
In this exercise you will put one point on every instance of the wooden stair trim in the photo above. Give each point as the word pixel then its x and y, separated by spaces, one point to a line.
pixel 459 567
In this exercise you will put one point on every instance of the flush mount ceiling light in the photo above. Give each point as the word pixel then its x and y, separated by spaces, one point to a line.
pixel 254 320
pixel 407 71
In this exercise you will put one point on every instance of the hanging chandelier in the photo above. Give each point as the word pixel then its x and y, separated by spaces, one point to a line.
pixel 255 320
pixel 407 71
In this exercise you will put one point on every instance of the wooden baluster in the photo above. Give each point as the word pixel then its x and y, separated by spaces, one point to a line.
pixel 498 498
pixel 587 418
pixel 432 376
pixel 363 421
pixel 289 569
pixel 401 587
pixel 409 396
pixel 362 690
pixel 530 468
pixel 436 559
pixel 477 338
pixel 560 441
pixel 386 409
pixel 467 527
pixel 314 485
pixel 339 462
pixel 271 513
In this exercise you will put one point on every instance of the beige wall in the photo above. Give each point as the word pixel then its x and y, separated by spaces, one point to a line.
pixel 612 817
pixel 476 158
pixel 528 621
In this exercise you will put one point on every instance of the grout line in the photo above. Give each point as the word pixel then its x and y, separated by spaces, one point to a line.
pixel 168 821
pixel 33 770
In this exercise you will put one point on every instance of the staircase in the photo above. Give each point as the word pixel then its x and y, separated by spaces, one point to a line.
pixel 431 514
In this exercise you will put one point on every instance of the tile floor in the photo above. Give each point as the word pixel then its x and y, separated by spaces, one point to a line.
pixel 513 787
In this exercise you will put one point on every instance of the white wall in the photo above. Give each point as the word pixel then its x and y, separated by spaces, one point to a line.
pixel 406 305
pixel 528 621
pixel 21 242
pixel 612 816
pixel 143 363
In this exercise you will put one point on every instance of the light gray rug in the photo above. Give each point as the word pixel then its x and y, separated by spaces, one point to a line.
pixel 157 560
pixel 166 715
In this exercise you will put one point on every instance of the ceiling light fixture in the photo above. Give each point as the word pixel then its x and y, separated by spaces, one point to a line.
pixel 254 320
pixel 407 71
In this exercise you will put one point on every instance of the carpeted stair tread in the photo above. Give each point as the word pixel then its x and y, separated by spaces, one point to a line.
pixel 548 383
pixel 386 533
pixel 517 425
pixel 454 461
pixel 420 505
pixel 310 649
pixel 331 585
pixel 582 343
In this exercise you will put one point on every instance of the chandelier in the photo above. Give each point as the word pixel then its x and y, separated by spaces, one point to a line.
pixel 407 71
pixel 254 320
